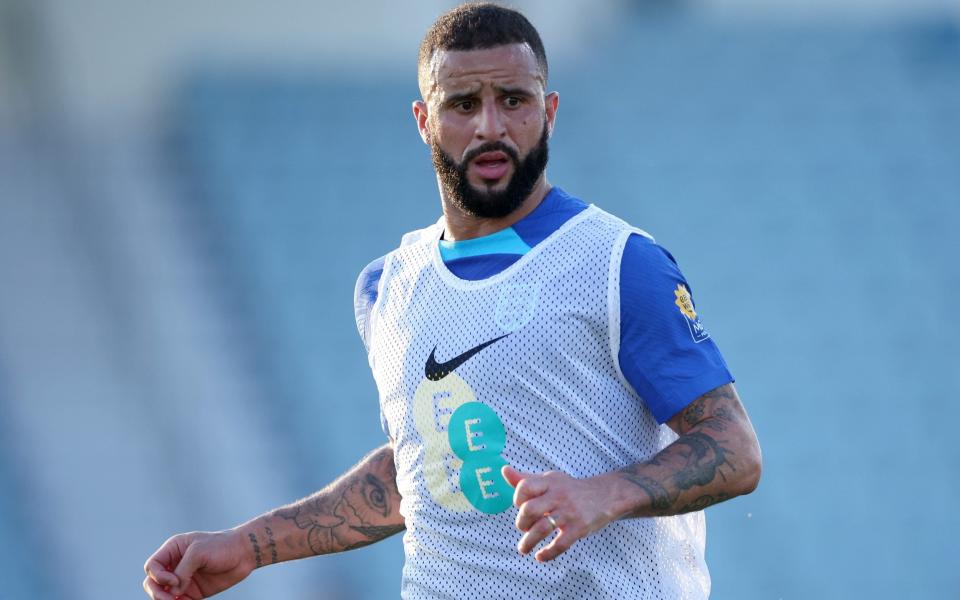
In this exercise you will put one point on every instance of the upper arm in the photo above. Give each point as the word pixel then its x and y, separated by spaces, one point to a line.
pixel 717 410
pixel 665 353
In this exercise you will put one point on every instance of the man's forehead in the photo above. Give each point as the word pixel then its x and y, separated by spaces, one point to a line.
pixel 514 64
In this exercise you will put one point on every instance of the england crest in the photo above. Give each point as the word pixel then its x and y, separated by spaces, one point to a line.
pixel 516 303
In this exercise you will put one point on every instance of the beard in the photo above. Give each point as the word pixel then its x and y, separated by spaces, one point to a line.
pixel 488 203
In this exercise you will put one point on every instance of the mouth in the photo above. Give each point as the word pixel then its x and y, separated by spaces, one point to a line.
pixel 491 165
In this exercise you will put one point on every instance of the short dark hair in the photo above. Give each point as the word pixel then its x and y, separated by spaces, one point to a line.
pixel 477 26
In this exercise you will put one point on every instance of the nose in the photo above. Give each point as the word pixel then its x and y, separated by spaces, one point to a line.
pixel 491 125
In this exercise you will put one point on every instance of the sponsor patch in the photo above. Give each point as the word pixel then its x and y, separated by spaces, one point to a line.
pixel 685 303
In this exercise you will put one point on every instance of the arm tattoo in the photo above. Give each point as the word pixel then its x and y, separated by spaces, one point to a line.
pixel 693 414
pixel 376 495
pixel 710 411
pixel 703 502
pixel 659 497
pixel 360 503
pixel 704 460
pixel 272 545
pixel 694 460
pixel 378 532
pixel 256 550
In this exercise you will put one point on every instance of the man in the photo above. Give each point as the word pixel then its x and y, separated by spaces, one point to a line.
pixel 545 382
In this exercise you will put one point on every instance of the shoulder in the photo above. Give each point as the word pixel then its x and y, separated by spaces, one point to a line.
pixel 366 290
pixel 650 279
pixel 365 296
pixel 422 235
pixel 642 254
pixel 368 280
pixel 635 251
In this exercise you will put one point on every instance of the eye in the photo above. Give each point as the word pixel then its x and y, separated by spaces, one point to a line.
pixel 465 105
pixel 513 101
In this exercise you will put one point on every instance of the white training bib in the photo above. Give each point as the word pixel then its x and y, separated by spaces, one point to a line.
pixel 521 369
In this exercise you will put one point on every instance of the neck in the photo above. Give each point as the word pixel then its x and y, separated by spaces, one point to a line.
pixel 461 226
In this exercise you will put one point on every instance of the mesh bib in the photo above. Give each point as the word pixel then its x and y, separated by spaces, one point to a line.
pixel 518 369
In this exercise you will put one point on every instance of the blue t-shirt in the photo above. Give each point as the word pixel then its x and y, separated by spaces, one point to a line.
pixel 665 352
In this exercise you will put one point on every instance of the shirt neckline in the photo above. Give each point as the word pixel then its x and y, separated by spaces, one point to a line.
pixel 450 279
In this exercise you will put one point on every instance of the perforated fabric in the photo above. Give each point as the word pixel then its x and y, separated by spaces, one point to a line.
pixel 536 344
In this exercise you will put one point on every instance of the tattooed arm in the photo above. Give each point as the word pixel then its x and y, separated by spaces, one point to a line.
pixel 359 508
pixel 716 458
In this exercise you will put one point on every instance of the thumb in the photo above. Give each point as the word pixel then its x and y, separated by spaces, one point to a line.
pixel 513 476
pixel 190 562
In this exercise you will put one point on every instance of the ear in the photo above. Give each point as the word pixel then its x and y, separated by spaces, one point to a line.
pixel 552 102
pixel 420 115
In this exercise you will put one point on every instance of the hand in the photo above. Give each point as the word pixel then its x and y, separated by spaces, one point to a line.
pixel 579 507
pixel 191 566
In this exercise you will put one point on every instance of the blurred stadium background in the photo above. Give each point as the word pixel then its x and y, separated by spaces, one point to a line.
pixel 189 190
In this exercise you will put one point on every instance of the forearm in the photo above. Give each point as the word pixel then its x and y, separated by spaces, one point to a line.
pixel 359 508
pixel 716 458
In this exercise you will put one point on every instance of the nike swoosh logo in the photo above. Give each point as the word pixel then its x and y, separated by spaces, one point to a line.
pixel 436 371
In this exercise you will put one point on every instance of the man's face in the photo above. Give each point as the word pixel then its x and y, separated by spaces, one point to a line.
pixel 487 120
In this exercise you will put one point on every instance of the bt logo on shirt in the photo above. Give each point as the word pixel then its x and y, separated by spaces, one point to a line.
pixel 477 436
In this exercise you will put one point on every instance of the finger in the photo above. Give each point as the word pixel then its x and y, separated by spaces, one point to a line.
pixel 533 510
pixel 155 590
pixel 558 546
pixel 158 572
pixel 513 476
pixel 529 487
pixel 190 562
pixel 539 532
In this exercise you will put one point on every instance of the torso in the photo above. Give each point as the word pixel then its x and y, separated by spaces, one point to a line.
pixel 517 368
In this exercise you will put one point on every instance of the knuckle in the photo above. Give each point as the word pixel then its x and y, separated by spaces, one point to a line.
pixel 529 513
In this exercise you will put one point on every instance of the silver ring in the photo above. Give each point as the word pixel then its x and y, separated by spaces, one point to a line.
pixel 552 521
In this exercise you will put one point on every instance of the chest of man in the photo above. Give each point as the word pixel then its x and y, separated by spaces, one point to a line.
pixel 517 369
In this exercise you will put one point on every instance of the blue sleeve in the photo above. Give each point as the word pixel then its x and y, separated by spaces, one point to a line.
pixel 364 296
pixel 665 352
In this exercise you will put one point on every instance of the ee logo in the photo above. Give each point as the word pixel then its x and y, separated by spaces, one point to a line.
pixel 477 436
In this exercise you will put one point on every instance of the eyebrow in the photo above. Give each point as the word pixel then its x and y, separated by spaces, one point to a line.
pixel 513 91
pixel 509 90
pixel 454 98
